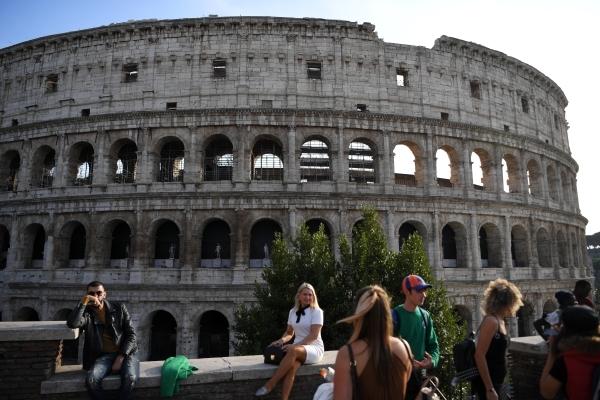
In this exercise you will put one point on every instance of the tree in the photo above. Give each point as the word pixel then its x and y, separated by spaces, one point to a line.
pixel 309 260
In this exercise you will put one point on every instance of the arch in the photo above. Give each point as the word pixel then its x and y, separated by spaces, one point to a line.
pixel 34 241
pixel 43 167
pixel 361 163
pixel 454 245
pixel 405 230
pixel 262 234
pixel 217 234
pixel 10 164
pixel 566 190
pixel 447 175
pixel 408 165
pixel 466 318
pixel 483 170
pixel 552 183
pixel 213 335
pixel 124 165
pixel 267 161
pixel 525 317
pixel 314 224
pixel 70 245
pixel 534 176
pixel 166 244
pixel 4 246
pixel 490 246
pixel 80 165
pixel 519 246
pixel 26 314
pixel 120 246
pixel 218 160
pixel 543 248
pixel 511 173
pixel 78 243
pixel 171 162
pixel 315 161
pixel 163 336
pixel 563 250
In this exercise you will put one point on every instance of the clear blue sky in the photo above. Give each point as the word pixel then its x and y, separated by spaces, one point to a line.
pixel 559 38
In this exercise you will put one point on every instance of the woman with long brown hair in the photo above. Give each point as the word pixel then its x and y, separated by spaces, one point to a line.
pixel 383 362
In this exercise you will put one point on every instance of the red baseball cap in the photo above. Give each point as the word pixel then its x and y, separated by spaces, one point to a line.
pixel 414 282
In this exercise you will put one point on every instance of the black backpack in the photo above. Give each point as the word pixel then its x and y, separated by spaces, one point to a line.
pixel 464 359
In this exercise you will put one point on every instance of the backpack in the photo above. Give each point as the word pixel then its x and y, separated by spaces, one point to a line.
pixel 396 321
pixel 596 383
pixel 464 359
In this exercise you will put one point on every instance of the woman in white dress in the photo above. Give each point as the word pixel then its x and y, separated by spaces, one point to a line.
pixel 305 321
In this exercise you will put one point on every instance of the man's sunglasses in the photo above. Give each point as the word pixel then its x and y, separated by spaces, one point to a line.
pixel 99 293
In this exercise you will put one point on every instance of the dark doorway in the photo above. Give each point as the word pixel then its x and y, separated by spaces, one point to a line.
pixel 214 335
pixel 163 336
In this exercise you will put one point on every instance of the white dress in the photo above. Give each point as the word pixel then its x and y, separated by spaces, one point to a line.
pixel 313 316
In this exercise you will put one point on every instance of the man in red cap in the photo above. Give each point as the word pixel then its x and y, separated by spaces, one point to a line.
pixel 414 324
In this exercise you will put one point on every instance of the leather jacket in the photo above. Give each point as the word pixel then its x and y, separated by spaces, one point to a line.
pixel 118 323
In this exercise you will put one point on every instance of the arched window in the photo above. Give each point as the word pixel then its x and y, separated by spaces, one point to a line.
pixel 406 229
pixel 449 247
pixel 216 245
pixel 511 174
pixel 9 171
pixel 261 241
pixel 483 247
pixel 543 248
pixel 361 163
pixel 566 191
pixel 127 164
pixel 314 162
pixel 120 248
pixel 85 167
pixel 163 337
pixel 444 172
pixel 218 161
pixel 519 247
pixel 39 242
pixel 4 246
pixel 171 164
pixel 533 179
pixel 213 340
pixel 483 170
pixel 552 183
pixel 477 172
pixel 405 166
pixel 77 244
pixel 563 250
pixel 267 164
pixel 167 243
pixel 26 314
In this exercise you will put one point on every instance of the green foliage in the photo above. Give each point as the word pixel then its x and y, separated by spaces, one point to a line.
pixel 593 240
pixel 309 260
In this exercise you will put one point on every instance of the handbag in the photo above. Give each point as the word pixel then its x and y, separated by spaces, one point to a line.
pixel 273 355
pixel 428 393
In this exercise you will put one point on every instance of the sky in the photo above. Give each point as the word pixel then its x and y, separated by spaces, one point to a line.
pixel 558 38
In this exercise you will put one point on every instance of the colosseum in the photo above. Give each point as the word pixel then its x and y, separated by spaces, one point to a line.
pixel 161 156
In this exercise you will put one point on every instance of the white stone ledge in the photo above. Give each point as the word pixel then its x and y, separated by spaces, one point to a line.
pixel 70 379
pixel 23 331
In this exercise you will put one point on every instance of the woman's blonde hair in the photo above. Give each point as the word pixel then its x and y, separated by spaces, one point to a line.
pixel 373 324
pixel 501 296
pixel 313 304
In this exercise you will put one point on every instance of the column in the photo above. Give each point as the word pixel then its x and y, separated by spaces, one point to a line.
pixel 393 243
pixel 430 176
pixel 188 250
pixel 507 246
pixel 544 179
pixel 342 175
pixel 14 260
pixel 241 156
pixel 240 242
pixel 291 169
pixel 138 250
pixel 388 167
pixel 60 161
pixel 554 252
pixel 144 175
pixel 524 184
pixel 475 257
pixel 498 172
pixel 570 259
pixel 532 248
pixel 539 305
pixel 293 225
pixel 192 164
pixel 434 247
pixel 467 166
pixel 101 160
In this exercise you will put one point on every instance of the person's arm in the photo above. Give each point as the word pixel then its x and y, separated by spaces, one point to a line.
pixel 549 385
pixel 489 327
pixel 342 388
pixel 286 337
pixel 540 326
pixel 76 318
pixel 399 347
pixel 129 344
pixel 315 330
pixel 432 348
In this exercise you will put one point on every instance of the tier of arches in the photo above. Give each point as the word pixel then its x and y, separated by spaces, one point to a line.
pixel 265 156
pixel 229 240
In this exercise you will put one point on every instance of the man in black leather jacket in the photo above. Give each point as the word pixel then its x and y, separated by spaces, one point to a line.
pixel 110 342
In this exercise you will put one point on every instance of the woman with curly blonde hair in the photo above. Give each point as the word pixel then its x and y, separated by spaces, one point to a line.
pixel 501 299
pixel 383 362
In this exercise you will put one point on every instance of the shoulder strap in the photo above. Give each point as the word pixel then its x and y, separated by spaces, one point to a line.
pixel 355 383
pixel 424 315
pixel 396 322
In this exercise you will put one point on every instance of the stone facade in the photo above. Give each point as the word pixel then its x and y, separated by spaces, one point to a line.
pixel 129 153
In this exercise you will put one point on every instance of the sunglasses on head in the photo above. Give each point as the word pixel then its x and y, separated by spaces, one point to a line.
pixel 98 293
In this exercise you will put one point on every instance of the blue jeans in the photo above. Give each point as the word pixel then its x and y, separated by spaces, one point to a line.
pixel 102 367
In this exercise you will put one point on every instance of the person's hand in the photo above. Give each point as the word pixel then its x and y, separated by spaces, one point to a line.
pixel 491 395
pixel 116 367
pixel 425 363
pixel 277 343
pixel 286 347
pixel 88 300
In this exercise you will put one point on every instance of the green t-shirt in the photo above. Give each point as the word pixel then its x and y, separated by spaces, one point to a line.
pixel 419 336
